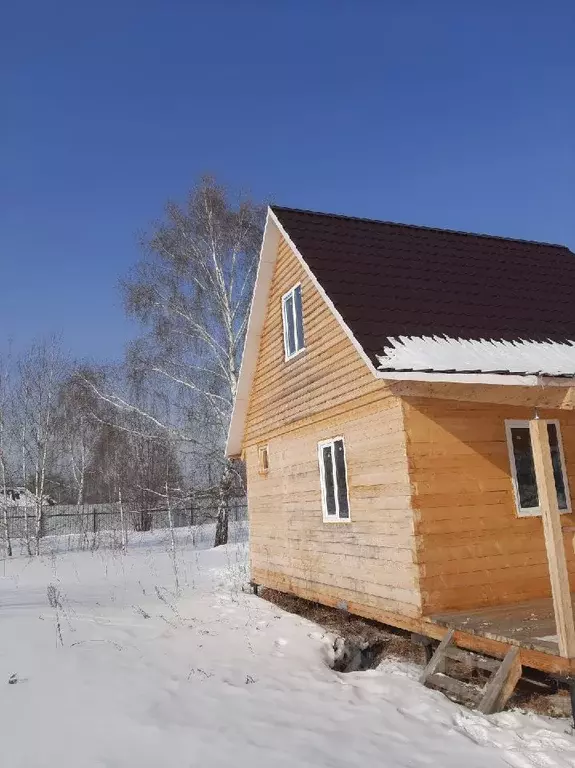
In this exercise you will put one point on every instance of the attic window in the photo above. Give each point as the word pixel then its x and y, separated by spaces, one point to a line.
pixel 333 477
pixel 293 322
pixel 263 460
pixel 523 467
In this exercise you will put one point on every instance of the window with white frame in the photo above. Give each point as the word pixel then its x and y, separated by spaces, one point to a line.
pixel 293 322
pixel 333 478
pixel 523 467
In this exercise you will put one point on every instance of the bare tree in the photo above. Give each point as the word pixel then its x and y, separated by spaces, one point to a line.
pixel 191 292
pixel 4 410
pixel 40 375
pixel 79 422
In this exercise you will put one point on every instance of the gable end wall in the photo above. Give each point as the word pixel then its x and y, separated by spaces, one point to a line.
pixel 327 391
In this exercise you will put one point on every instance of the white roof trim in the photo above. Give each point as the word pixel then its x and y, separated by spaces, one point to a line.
pixel 439 354
pixel 266 266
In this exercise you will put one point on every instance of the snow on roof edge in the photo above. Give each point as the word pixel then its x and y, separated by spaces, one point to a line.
pixel 447 354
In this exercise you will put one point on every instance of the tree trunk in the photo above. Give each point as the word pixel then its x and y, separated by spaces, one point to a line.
pixel 223 506
pixel 172 539
pixel 7 538
pixel 122 521
pixel 39 525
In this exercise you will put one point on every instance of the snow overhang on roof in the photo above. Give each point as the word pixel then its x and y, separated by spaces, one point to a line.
pixel 445 355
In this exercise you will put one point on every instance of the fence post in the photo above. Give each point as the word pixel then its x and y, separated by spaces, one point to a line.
pixel 94 521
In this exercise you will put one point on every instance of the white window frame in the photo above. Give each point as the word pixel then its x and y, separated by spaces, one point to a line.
pixel 327 518
pixel 298 341
pixel 534 511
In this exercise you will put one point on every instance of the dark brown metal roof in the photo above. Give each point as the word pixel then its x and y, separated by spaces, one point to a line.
pixel 389 280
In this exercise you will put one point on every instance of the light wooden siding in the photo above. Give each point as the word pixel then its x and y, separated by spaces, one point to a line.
pixel 473 549
pixel 327 373
pixel 325 392
pixel 368 561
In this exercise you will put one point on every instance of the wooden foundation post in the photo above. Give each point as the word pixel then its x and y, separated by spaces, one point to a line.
pixel 553 537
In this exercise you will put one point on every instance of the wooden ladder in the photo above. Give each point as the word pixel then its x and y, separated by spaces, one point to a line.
pixel 495 693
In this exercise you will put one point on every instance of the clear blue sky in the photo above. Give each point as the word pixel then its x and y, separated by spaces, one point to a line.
pixel 446 113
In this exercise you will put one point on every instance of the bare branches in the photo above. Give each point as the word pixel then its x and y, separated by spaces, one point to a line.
pixel 76 434
pixel 191 292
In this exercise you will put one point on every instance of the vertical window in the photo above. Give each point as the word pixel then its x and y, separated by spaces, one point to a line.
pixel 293 322
pixel 263 460
pixel 333 478
pixel 523 467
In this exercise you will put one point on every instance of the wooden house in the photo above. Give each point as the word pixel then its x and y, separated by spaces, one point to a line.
pixel 405 409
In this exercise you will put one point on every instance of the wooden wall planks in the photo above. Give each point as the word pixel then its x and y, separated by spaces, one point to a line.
pixel 327 374
pixel 325 392
pixel 473 549
pixel 433 522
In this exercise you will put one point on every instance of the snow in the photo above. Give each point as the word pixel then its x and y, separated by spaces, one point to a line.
pixel 141 674
pixel 443 354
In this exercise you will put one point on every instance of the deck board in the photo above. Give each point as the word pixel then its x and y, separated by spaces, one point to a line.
pixel 530 624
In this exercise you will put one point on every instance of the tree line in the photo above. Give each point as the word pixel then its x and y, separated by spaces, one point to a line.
pixel 154 426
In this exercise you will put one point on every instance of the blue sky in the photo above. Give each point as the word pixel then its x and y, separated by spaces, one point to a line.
pixel 443 113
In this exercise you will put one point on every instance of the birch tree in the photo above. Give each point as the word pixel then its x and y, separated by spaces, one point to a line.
pixel 4 452
pixel 79 422
pixel 40 374
pixel 191 293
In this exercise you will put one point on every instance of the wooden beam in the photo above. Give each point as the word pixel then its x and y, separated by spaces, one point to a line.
pixel 502 684
pixel 553 537
pixel 438 659
pixel 546 661
pixel 551 397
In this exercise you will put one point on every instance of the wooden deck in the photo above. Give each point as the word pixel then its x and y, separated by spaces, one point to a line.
pixel 529 625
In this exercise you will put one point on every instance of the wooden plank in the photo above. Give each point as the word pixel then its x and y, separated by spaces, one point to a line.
pixel 465 693
pixel 472 659
pixel 436 661
pixel 553 537
pixel 502 684
pixel 548 397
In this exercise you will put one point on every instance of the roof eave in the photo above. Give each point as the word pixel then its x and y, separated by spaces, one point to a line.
pixel 493 379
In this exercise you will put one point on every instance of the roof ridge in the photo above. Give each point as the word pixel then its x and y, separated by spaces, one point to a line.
pixel 418 226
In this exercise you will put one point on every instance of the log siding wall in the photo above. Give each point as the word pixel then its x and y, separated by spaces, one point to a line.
pixel 473 549
pixel 433 520
pixel 326 391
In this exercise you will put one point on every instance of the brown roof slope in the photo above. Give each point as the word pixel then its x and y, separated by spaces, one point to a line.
pixel 390 280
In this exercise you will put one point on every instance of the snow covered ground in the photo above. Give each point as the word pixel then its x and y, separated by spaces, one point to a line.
pixel 115 667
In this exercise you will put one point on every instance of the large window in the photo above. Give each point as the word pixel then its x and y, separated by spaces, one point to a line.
pixel 523 467
pixel 293 322
pixel 333 477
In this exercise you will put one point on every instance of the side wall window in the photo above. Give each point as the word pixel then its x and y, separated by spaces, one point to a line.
pixel 333 478
pixel 293 322
pixel 523 467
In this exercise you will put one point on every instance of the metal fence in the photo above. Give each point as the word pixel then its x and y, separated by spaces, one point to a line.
pixel 98 524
